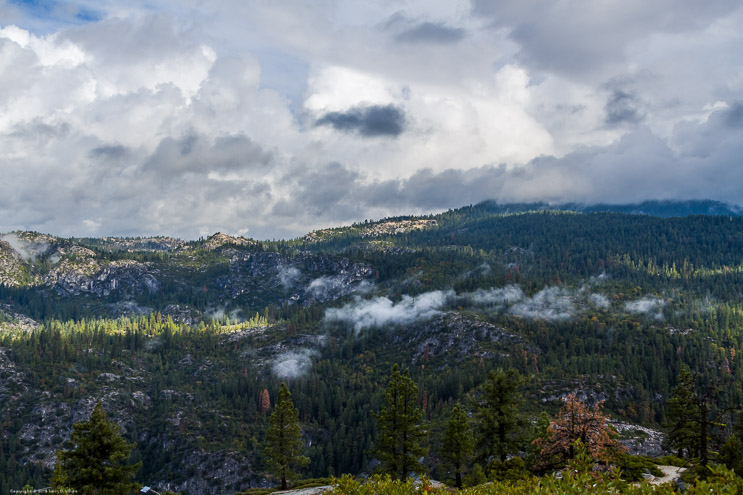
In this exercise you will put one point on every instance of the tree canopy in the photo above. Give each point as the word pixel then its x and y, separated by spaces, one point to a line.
pixel 284 438
pixel 402 435
pixel 98 461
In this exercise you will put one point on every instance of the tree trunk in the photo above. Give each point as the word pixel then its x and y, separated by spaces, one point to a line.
pixel 703 434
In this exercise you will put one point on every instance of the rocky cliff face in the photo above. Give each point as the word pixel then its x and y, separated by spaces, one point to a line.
pixel 225 269
pixel 87 275
pixel 11 271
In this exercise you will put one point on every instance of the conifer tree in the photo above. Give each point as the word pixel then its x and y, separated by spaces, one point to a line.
pixel 97 464
pixel 682 416
pixel 457 446
pixel 400 443
pixel 693 415
pixel 283 448
pixel 501 426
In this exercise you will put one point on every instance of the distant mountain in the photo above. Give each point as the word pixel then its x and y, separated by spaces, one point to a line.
pixel 655 208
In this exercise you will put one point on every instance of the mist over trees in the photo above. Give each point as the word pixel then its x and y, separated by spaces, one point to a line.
pixel 610 307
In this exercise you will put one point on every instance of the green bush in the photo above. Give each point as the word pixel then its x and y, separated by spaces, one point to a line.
pixel 632 467
pixel 513 469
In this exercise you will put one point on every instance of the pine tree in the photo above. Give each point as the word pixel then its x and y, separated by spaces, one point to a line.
pixel 683 417
pixel 457 446
pixel 693 415
pixel 400 443
pixel 97 464
pixel 283 448
pixel 501 426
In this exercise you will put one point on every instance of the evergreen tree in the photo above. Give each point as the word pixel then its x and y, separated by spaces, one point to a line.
pixel 284 439
pixel 693 416
pixel 683 417
pixel 500 424
pixel 400 443
pixel 97 464
pixel 457 446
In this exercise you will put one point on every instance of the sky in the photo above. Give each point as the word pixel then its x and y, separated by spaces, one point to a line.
pixel 269 119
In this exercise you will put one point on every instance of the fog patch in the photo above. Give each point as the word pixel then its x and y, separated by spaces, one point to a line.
pixel 216 313
pixel 496 296
pixel 288 276
pixel 649 305
pixel 325 286
pixel 293 364
pixel 599 301
pixel 382 311
pixel 28 250
pixel 221 315
pixel 552 303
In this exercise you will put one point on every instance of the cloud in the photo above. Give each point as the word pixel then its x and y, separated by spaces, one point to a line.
pixel 368 121
pixel 552 303
pixel 599 301
pixel 649 305
pixel 293 364
pixel 326 285
pixel 431 32
pixel 733 116
pixel 574 38
pixel 623 107
pixel 270 120
pixel 496 296
pixel 27 249
pixel 381 311
pixel 288 276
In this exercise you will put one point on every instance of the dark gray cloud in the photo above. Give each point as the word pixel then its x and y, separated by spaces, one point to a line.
pixel 431 32
pixel 623 107
pixel 573 37
pixel 194 153
pixel 368 121
pixel 322 191
pixel 110 152
pixel 734 115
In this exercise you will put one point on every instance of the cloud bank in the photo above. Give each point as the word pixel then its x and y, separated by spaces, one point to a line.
pixel 271 119
pixel 551 304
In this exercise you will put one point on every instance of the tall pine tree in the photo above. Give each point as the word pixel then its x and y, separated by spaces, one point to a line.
pixel 457 446
pixel 283 448
pixel 500 423
pixel 400 443
pixel 97 464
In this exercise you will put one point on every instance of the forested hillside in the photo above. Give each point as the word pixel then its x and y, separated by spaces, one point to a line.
pixel 182 341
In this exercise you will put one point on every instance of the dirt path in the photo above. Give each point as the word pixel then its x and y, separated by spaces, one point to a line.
pixel 670 473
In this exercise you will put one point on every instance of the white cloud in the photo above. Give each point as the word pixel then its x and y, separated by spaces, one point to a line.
pixel 496 296
pixel 649 305
pixel 381 311
pixel 552 303
pixel 599 301
pixel 293 364
pixel 186 118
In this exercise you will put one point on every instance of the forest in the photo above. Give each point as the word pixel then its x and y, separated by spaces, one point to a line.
pixel 611 307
